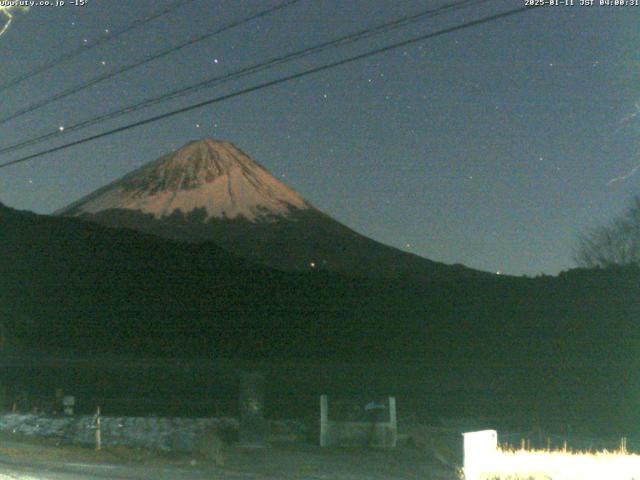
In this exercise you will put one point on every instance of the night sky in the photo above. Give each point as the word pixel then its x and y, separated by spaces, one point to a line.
pixel 494 146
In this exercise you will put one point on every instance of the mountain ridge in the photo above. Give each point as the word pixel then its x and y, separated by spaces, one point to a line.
pixel 273 225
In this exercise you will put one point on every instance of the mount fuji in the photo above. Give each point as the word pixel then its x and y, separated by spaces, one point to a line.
pixel 210 190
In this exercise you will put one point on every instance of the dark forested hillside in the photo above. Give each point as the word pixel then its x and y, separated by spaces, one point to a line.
pixel 566 342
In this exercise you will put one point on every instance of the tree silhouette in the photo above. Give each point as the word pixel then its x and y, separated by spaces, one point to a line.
pixel 615 244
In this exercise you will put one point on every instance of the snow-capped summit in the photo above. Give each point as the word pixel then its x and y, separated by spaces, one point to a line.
pixel 208 174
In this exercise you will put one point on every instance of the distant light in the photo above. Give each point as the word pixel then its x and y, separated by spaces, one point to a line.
pixel 312 264
pixel 498 272
pixel 215 60
pixel 61 128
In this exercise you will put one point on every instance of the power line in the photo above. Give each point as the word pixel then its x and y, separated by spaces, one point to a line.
pixel 145 60
pixel 272 83
pixel 92 44
pixel 339 42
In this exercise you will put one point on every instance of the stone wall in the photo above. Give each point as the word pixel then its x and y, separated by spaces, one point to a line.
pixel 155 433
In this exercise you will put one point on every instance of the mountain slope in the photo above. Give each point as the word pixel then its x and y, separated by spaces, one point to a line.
pixel 211 191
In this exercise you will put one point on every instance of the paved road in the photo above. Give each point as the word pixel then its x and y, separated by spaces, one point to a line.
pixel 307 463
pixel 86 471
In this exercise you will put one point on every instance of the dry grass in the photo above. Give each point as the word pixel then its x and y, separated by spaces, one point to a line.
pixel 509 464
